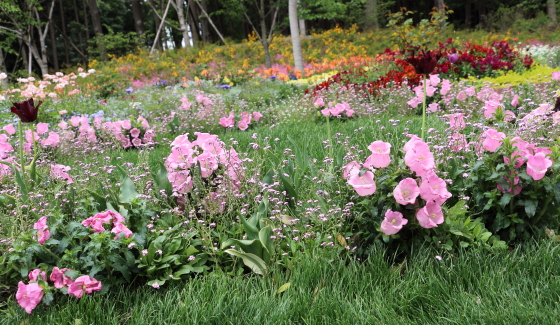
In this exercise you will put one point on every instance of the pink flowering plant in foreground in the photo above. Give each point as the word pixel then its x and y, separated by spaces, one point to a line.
pixel 513 187
pixel 400 199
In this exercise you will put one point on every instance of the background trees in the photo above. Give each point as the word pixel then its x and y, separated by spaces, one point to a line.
pixel 50 35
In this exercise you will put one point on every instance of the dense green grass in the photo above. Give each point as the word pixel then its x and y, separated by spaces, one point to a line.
pixel 508 287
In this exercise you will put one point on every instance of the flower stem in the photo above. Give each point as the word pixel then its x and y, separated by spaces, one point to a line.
pixel 22 162
pixel 331 154
pixel 424 108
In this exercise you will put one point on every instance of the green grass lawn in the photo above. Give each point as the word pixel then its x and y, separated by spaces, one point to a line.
pixel 521 286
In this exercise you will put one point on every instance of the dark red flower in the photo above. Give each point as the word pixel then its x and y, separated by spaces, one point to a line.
pixel 26 110
pixel 425 63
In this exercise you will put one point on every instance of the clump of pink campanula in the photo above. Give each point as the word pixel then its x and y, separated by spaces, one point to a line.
pixel 208 154
pixel 244 121
pixel 96 223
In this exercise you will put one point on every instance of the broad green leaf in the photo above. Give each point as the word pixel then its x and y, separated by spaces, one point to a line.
pixel 531 207
pixel 162 181
pixel 506 198
pixel 283 288
pixel 268 177
pixel 266 241
pixel 250 246
pixel 185 269
pixel 255 263
pixel 251 230
pixel 128 191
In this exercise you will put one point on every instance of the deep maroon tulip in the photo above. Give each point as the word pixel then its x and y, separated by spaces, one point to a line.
pixel 26 110
pixel 425 63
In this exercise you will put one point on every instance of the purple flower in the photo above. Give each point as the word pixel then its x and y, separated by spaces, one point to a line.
pixel 129 90
pixel 225 86
pixel 453 57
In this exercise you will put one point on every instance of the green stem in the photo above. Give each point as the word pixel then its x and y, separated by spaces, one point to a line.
pixel 49 252
pixel 331 153
pixel 22 162
pixel 424 108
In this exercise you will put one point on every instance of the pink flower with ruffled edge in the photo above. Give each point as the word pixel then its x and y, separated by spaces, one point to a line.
pixel 380 155
pixel 493 140
pixel 515 101
pixel 10 129
pixel 419 158
pixel 257 116
pixel 406 191
pixel 35 274
pixel 351 169
pixel 97 221
pixel 537 165
pixel 42 128
pixel 227 121
pixel 364 184
pixel 393 222
pixel 461 96
pixel 121 228
pixel 60 280
pixel 430 216
pixel 43 232
pixel 29 296
pixel 434 188
pixel 84 284
pixel 556 75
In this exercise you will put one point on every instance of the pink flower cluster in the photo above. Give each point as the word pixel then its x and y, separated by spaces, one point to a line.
pixel 60 172
pixel 97 221
pixel 244 121
pixel 334 109
pixel 43 232
pixel 537 158
pixel 79 129
pixel 131 134
pixel 50 140
pixel 431 87
pixel 363 182
pixel 208 153
pixel 51 85
pixel 432 189
pixel 30 295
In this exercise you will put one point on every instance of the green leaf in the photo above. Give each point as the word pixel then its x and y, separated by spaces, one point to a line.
pixel 266 241
pixel 506 198
pixel 531 207
pixel 251 230
pixel 128 191
pixel 6 200
pixel 252 261
pixel 268 177
pixel 283 288
pixel 185 269
pixel 162 181
pixel 19 180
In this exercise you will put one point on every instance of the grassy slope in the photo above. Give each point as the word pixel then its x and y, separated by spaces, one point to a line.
pixel 517 287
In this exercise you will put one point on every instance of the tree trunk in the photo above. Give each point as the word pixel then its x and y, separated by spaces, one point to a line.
pixel 97 28
pixel 180 9
pixel 137 15
pixel 468 14
pixel 86 23
pixel 551 6
pixel 371 22
pixel 264 34
pixel 53 51
pixel 4 82
pixel 157 22
pixel 204 23
pixel 194 15
pixel 77 17
pixel 294 32
pixel 441 9
pixel 63 21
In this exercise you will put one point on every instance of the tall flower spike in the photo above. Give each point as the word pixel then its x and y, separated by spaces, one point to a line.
pixel 26 110
pixel 425 63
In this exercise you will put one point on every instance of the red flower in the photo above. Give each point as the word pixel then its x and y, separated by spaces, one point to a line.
pixel 26 110
pixel 425 63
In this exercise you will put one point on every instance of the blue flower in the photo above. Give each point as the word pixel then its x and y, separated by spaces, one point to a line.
pixel 225 86
pixel 129 90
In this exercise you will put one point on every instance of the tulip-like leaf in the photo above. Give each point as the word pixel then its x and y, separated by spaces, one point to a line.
pixel 19 180
pixel 162 181
pixel 250 246
pixel 284 287
pixel 128 191
pixel 250 229
pixel 252 261
pixel 266 241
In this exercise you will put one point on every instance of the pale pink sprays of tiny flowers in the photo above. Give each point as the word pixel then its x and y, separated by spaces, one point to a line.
pixel 351 169
pixel 43 232
pixel 537 165
pixel 406 191
pixel 458 142
pixel 393 222
pixel 493 140
pixel 380 155
pixel 29 296
pixel 430 216
pixel 60 280
pixel 35 274
pixel 434 188
pixel 363 185
pixel 60 172
pixel 84 284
